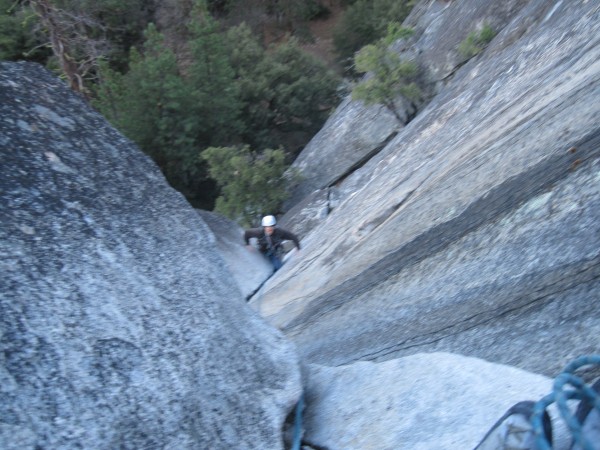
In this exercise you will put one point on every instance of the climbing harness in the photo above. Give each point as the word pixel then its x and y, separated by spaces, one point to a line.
pixel 270 246
pixel 567 386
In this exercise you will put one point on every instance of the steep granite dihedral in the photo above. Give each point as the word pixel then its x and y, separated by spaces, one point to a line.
pixel 477 229
pixel 347 138
pixel 120 325
pixel 342 157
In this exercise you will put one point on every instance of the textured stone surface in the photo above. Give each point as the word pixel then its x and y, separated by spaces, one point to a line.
pixel 440 27
pixel 119 324
pixel 420 402
pixel 353 134
pixel 307 214
pixel 478 230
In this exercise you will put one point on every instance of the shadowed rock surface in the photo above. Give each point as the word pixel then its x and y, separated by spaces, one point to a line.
pixel 248 268
pixel 475 229
pixel 120 325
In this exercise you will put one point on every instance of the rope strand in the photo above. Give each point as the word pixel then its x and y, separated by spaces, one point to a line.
pixel 567 386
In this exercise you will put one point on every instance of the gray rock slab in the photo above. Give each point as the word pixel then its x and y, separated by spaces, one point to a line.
pixel 479 233
pixel 418 402
pixel 353 134
pixel 120 326
pixel 440 27
pixel 307 214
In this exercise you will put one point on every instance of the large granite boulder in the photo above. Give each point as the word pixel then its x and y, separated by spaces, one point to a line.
pixel 477 232
pixel 120 326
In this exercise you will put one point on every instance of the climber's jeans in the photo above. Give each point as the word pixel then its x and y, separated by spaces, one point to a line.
pixel 275 261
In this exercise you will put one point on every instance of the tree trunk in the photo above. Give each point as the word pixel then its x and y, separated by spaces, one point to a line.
pixel 60 46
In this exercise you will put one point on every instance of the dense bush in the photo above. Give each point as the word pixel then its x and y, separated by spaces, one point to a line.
pixel 390 77
pixel 18 37
pixel 284 90
pixel 363 23
pixel 251 183
pixel 231 91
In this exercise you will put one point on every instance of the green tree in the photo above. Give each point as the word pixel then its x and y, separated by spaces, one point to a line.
pixel 18 39
pixel 389 77
pixel 227 90
pixel 271 18
pixel 151 105
pixel 78 33
pixel 364 22
pixel 143 102
pixel 250 183
pixel 284 90
pixel 216 107
pixel 247 57
pixel 302 92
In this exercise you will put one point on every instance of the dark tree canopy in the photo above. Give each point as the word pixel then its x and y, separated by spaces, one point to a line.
pixel 181 76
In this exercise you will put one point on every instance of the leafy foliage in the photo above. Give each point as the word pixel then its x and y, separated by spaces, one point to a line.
pixel 216 103
pixel 294 10
pixel 302 90
pixel 476 41
pixel 251 183
pixel 283 89
pixel 262 95
pixel 389 76
pixel 365 22
pixel 150 105
pixel 74 35
pixel 18 40
pixel 247 56
pixel 221 87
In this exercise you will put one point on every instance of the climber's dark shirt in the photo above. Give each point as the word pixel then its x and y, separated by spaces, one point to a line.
pixel 277 237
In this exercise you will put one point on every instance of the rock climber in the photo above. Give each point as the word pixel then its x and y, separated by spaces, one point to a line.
pixel 270 239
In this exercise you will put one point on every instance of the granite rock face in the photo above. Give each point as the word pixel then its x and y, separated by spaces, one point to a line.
pixel 341 158
pixel 349 138
pixel 441 26
pixel 476 229
pixel 120 326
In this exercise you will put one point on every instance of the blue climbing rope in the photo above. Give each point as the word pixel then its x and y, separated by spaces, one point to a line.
pixel 297 437
pixel 567 386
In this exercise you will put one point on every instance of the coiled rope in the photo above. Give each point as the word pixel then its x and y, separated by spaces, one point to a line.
pixel 567 386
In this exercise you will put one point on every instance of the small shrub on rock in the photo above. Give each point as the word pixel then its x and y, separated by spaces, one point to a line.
pixel 476 41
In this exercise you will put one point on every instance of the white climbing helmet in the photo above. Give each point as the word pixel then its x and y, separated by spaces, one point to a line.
pixel 268 221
